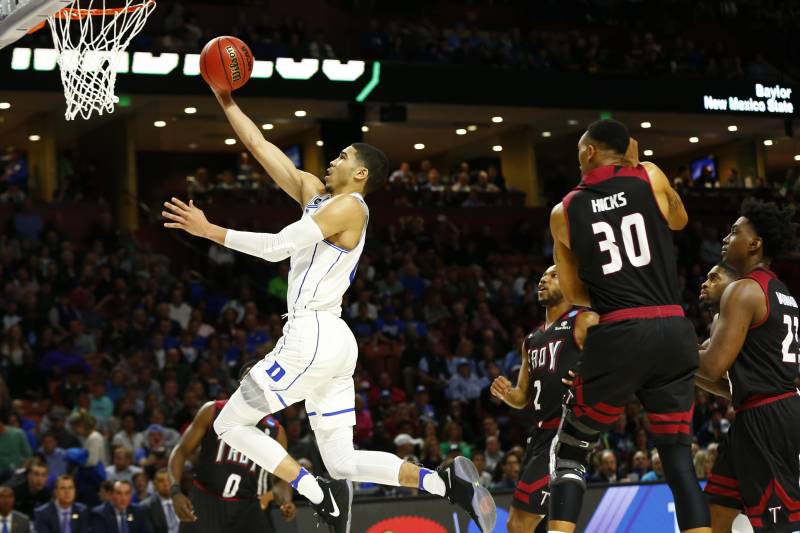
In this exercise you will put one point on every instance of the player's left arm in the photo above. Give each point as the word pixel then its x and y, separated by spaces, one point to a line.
pixel 339 215
pixel 566 263
pixel 583 322
pixel 738 309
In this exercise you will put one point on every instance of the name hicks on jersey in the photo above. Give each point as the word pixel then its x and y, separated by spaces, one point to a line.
pixel 607 203
pixel 786 300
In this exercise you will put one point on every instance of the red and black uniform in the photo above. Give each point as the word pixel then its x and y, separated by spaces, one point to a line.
pixel 227 485
pixel 758 462
pixel 643 343
pixel 551 354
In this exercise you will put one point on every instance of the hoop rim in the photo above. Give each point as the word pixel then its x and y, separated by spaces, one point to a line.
pixel 74 13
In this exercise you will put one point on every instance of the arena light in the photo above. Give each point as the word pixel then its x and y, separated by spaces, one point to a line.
pixel 497 148
pixel 192 146
pixel 497 119
pixel 34 138
pixel 797 157
pixel 646 125
pixel 230 142
pixel 733 127
pixel 694 140
pixel 190 110
pixel 461 131
pixel 472 127
pixel 364 129
pixel 648 153
pixel 419 146
pixel 320 143
pixel 267 126
pixel 768 142
pixel 547 134
pixel 5 105
pixel 300 113
pixel 572 122
pixel 159 124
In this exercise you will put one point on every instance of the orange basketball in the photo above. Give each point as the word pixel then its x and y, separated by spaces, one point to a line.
pixel 226 63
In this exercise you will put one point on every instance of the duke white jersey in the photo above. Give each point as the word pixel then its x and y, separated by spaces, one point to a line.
pixel 319 275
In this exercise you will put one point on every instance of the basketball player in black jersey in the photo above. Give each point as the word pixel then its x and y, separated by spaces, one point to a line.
pixel 549 353
pixel 755 341
pixel 229 489
pixel 614 252
pixel 717 280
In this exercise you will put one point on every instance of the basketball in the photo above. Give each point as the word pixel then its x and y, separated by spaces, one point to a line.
pixel 226 63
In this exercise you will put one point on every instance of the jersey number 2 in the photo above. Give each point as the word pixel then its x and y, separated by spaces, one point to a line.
pixel 538 386
pixel 232 486
pixel 634 221
pixel 788 356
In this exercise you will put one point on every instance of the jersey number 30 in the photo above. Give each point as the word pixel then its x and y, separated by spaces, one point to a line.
pixel 631 224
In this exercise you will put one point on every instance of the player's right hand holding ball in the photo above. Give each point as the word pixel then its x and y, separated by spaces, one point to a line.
pixel 500 387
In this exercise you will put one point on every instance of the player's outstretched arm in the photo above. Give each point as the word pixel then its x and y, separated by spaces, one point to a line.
pixel 566 263
pixel 516 397
pixel 186 447
pixel 738 307
pixel 300 185
pixel 339 215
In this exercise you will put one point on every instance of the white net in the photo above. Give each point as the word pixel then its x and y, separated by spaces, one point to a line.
pixel 90 38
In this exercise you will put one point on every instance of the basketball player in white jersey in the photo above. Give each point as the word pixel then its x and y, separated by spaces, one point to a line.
pixel 315 358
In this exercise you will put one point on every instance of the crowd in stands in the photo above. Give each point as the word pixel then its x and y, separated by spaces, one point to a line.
pixel 108 350
pixel 580 35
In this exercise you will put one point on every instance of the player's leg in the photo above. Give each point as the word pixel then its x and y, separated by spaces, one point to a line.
pixel 668 396
pixel 331 411
pixel 764 444
pixel 531 496
pixel 282 378
pixel 607 376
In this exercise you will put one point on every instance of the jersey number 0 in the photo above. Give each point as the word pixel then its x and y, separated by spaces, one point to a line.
pixel 631 224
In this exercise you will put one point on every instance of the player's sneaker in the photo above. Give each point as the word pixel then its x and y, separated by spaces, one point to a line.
pixel 463 489
pixel 336 502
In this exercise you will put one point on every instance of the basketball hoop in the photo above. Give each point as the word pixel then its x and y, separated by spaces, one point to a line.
pixel 90 42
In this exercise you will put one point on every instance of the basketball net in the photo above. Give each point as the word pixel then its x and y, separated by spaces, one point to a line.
pixel 90 41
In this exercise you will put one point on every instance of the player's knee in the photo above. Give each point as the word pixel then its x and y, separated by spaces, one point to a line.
pixel 222 423
pixel 570 450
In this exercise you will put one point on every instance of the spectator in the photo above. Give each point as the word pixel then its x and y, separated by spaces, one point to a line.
pixel 509 472
pixel 11 520
pixel 54 456
pixel 122 467
pixel 607 473
pixel 14 448
pixel 84 424
pixel 119 515
pixel 63 513
pixel 657 474
pixel 493 454
pixel 641 466
pixel 700 464
pixel 453 436
pixel 127 436
pixel 464 385
pixel 30 489
pixel 159 506
pixel 402 175
pixel 484 477
pixel 405 446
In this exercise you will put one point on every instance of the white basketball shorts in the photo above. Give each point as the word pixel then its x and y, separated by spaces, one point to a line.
pixel 314 362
